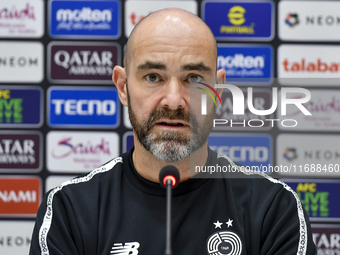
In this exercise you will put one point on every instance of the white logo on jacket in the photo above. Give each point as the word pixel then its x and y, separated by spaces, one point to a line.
pixel 130 248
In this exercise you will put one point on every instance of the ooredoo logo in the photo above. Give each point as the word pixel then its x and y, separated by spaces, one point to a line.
pixel 21 18
pixel 19 196
pixel 71 62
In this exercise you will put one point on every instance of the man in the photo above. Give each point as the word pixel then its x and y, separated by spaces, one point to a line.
pixel 119 208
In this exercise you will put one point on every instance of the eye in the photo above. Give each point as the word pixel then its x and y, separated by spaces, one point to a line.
pixel 194 78
pixel 152 77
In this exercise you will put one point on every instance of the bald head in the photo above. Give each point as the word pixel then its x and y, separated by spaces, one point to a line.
pixel 173 22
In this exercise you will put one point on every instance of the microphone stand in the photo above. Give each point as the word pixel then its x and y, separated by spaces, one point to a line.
pixel 168 250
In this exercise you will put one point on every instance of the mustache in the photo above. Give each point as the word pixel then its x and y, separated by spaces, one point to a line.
pixel 165 113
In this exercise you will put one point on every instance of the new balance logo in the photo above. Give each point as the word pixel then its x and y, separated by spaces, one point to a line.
pixel 130 248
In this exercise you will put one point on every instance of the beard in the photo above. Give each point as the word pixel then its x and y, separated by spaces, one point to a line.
pixel 171 146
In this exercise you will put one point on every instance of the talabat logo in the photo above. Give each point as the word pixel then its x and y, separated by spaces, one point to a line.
pixel 309 20
pixel 82 62
pixel 326 238
pixel 246 64
pixel 318 197
pixel 83 107
pixel 309 64
pixel 19 196
pixel 84 19
pixel 80 151
pixel 20 106
pixel 20 151
pixel 240 20
pixel 21 18
pixel 248 150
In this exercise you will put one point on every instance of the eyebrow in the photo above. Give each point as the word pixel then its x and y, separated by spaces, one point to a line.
pixel 196 67
pixel 151 65
pixel 188 67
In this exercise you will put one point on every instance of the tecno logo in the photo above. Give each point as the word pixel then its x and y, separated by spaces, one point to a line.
pixel 244 153
pixel 308 61
pixel 85 14
pixel 248 150
pixel 19 196
pixel 84 107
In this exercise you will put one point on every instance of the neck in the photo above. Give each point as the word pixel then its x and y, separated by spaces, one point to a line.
pixel 142 159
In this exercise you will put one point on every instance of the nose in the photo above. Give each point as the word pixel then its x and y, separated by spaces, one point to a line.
pixel 175 95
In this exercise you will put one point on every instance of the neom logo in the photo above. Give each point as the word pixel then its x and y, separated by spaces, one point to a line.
pixel 19 196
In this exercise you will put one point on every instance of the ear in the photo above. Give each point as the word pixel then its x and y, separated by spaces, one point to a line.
pixel 221 80
pixel 119 79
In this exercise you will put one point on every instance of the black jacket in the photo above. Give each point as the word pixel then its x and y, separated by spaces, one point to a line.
pixel 113 210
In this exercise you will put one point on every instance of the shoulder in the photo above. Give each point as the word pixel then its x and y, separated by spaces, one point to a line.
pixel 260 186
pixel 90 182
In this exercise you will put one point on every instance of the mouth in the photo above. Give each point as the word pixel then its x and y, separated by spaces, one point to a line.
pixel 172 124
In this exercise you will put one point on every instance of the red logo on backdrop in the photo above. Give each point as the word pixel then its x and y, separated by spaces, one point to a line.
pixel 73 62
pixel 318 66
pixel 19 196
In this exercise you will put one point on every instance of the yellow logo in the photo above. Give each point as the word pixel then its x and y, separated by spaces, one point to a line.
pixel 236 15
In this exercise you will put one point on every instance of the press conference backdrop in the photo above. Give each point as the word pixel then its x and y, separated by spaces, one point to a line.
pixel 60 114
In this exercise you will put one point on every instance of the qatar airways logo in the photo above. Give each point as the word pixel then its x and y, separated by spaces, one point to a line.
pixel 66 147
pixel 15 13
pixel 239 105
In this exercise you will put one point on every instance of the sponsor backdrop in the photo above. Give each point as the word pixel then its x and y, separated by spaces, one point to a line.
pixel 60 115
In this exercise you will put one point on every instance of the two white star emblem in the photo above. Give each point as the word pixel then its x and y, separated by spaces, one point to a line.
pixel 218 224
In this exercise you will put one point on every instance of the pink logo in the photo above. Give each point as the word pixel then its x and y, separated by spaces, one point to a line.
pixel 65 148
pixel 14 13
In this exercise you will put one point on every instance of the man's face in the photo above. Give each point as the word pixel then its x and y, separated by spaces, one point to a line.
pixel 161 71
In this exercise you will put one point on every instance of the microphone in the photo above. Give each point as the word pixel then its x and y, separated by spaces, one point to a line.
pixel 169 179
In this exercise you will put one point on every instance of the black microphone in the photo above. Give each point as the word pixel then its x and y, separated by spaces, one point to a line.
pixel 169 179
